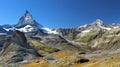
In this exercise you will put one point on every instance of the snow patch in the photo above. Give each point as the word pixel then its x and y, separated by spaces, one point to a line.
pixel 27 28
pixel 106 28
pixel 3 33
pixel 49 31
pixel 8 29
pixel 86 31
pixel 83 26
pixel 116 27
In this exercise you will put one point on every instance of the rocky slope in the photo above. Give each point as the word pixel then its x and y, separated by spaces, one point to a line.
pixel 96 35
pixel 16 49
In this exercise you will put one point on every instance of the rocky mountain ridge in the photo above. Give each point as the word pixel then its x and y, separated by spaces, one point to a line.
pixel 77 35
pixel 27 24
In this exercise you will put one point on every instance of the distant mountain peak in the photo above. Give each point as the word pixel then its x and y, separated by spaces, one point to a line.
pixel 27 11
pixel 97 22
pixel 27 19
pixel 28 16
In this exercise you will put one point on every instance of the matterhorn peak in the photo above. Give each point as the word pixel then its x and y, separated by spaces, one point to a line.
pixel 98 22
pixel 27 15
pixel 27 11
pixel 27 19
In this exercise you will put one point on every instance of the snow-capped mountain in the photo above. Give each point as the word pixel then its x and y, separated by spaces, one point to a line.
pixel 50 31
pixel 98 24
pixel 27 24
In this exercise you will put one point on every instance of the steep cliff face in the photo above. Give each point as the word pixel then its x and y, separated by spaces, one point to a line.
pixel 20 39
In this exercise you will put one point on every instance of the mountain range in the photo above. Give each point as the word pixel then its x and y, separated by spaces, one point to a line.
pixel 29 43
pixel 88 34
pixel 93 35
pixel 26 23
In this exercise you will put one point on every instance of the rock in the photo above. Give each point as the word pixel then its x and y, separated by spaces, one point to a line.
pixel 82 60
pixel 20 39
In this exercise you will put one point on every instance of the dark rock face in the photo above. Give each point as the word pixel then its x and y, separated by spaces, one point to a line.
pixel 68 33
pixel 65 31
pixel 20 39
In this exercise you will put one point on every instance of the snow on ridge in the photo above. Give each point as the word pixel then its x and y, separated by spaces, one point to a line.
pixel 86 31
pixel 83 26
pixel 115 27
pixel 50 31
pixel 107 28
pixel 27 28
pixel 3 33
pixel 8 29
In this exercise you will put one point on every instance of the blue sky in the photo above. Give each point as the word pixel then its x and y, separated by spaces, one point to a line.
pixel 61 13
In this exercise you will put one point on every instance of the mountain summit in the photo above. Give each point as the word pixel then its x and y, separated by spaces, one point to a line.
pixel 98 22
pixel 27 19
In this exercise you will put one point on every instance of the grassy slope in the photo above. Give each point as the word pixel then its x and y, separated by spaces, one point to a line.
pixel 42 48
pixel 105 61
pixel 67 59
